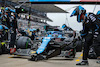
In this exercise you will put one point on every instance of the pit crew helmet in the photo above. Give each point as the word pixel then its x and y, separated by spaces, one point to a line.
pixel 1 28
pixel 64 25
pixel 98 13
pixel 78 11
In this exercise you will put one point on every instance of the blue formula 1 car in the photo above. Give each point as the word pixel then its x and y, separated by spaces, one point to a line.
pixel 52 46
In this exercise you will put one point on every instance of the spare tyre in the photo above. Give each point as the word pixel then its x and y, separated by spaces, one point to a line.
pixel 23 42
pixel 78 46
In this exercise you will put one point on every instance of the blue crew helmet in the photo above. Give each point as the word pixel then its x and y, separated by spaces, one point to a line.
pixel 1 28
pixel 64 25
pixel 78 11
pixel 98 13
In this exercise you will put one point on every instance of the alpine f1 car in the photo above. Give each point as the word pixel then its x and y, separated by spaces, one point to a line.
pixel 56 43
pixel 49 47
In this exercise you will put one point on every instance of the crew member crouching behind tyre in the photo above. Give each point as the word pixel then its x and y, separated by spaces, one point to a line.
pixel 13 30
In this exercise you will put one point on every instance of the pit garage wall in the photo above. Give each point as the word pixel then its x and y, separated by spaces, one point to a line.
pixel 64 0
pixel 89 0
pixel 24 24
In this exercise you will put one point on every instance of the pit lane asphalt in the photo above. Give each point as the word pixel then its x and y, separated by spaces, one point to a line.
pixel 19 61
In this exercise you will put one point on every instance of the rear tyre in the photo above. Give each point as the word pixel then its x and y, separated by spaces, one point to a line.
pixel 24 42
pixel 79 46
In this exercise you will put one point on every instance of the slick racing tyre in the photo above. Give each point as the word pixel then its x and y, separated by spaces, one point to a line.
pixel 24 42
pixel 79 46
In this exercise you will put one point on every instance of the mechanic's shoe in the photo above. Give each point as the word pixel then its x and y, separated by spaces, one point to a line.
pixel 98 62
pixel 83 63
pixel 45 58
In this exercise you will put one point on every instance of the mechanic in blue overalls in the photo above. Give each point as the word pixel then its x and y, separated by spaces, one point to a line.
pixel 5 17
pixel 33 36
pixel 1 33
pixel 14 27
pixel 97 41
pixel 64 26
pixel 90 28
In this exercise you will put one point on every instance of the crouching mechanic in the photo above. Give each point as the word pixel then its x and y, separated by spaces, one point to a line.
pixel 3 33
pixel 90 28
pixel 14 27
